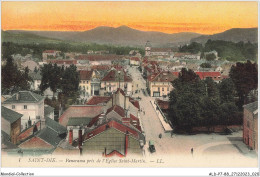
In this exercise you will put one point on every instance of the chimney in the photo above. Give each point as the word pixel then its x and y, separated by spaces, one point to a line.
pixel 125 102
pixel 126 142
pixel 70 135
pixel 29 122
pixel 101 118
pixel 17 96
pixel 80 138
pixel 42 124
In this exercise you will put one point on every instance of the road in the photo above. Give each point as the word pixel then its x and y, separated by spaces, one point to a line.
pixel 182 144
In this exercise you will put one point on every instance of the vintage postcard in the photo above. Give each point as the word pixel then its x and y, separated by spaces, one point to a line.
pixel 129 84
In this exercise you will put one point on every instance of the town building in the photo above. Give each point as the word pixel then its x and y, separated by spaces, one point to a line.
pixel 36 80
pixel 115 79
pixel 11 123
pixel 27 103
pixel 150 51
pixel 112 138
pixel 42 139
pixel 250 125
pixel 160 84
pixel 50 54
pixel 135 61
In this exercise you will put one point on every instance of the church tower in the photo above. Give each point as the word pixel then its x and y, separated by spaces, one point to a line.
pixel 147 48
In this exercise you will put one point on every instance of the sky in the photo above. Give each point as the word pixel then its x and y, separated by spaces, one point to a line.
pixel 168 17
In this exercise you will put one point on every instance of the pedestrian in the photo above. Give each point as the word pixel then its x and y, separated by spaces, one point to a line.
pixel 160 135
pixel 191 151
pixel 171 133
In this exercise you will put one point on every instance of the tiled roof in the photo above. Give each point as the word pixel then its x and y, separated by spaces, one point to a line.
pixel 101 67
pixel 78 121
pixel 85 75
pixel 61 62
pixel 213 74
pixel 164 77
pixel 113 75
pixel 135 58
pixel 79 111
pixel 95 100
pixel 55 126
pixel 134 102
pixel 111 124
pixel 119 110
pixel 252 107
pixel 47 110
pixel 24 97
pixel 10 115
pixel 50 136
pixel 98 57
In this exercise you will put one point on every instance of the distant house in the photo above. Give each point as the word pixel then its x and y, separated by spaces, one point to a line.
pixel 211 52
pixel 49 112
pixel 150 51
pixel 11 123
pixel 160 84
pixel 36 80
pixel 135 61
pixel 50 54
pixel 27 103
pixel 85 82
pixel 115 79
pixel 30 64
pixel 216 76
pixel 180 55
pixel 250 125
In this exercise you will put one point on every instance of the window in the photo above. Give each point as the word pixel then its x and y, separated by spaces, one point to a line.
pixel 167 88
pixel 13 106
pixel 83 82
pixel 163 89
pixel 87 88
pixel 25 106
pixel 87 82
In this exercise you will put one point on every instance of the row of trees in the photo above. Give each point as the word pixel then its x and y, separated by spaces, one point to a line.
pixel 9 48
pixel 227 50
pixel 65 81
pixel 195 102
pixel 13 79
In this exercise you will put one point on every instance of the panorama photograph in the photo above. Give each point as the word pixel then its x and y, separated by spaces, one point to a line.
pixel 129 84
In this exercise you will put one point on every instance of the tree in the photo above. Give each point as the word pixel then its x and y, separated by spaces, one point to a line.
pixel 205 65
pixel 193 48
pixel 210 57
pixel 227 90
pixel 9 74
pixel 244 76
pixel 13 79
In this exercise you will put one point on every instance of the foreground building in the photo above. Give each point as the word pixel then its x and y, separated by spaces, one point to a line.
pixel 27 103
pixel 115 79
pixel 250 125
pixel 160 84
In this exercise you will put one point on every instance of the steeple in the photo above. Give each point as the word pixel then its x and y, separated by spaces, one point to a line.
pixel 148 48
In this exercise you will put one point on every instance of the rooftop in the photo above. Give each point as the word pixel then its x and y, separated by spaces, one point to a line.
pixel 114 75
pixel 85 75
pixel 95 100
pixel 47 110
pixel 24 97
pixel 10 115
pixel 252 107
pixel 80 111
pixel 78 121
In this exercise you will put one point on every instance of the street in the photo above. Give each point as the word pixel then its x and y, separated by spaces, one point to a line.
pixel 202 144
